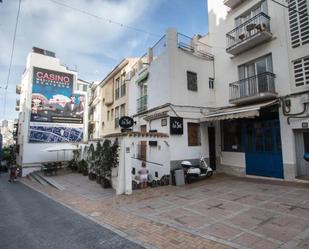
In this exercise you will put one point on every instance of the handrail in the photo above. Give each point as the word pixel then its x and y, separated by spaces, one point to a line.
pixel 251 77
pixel 139 159
pixel 248 21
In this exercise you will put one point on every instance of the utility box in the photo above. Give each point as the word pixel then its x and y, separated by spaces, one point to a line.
pixel 179 177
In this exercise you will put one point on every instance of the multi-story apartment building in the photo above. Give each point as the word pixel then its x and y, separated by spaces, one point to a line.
pixel 261 52
pixel 52 111
pixel 109 100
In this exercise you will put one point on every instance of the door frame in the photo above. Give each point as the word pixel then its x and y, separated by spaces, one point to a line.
pixel 212 147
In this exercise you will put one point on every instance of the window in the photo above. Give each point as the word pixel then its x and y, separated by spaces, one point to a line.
pixel 194 135
pixel 299 23
pixel 256 67
pixel 211 83
pixel 261 7
pixel 231 131
pixel 117 88
pixel 85 88
pixel 112 114
pixel 123 85
pixel 122 110
pixel 108 112
pixel 116 117
pixel 301 71
pixel 192 81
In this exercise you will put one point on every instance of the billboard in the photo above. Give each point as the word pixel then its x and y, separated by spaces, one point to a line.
pixel 54 106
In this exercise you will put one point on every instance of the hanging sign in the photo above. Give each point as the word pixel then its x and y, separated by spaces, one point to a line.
pixel 126 122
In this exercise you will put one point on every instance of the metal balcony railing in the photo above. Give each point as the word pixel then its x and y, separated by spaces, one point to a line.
pixel 248 29
pixel 142 104
pixel 253 86
pixel 194 46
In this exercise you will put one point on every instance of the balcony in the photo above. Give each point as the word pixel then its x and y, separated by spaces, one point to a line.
pixel 194 46
pixel 249 34
pixel 253 89
pixel 232 3
pixel 142 104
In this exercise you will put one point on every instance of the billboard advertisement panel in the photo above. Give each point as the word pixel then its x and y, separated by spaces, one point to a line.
pixel 54 106
pixel 53 100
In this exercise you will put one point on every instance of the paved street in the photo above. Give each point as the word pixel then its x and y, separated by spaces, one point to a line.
pixel 237 212
pixel 30 220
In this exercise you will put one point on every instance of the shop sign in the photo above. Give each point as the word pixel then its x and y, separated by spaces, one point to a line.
pixel 176 126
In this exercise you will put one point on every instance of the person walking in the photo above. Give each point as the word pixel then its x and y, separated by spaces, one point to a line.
pixel 143 174
pixel 13 173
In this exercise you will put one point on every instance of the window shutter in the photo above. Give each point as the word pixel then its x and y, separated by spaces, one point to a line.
pixel 299 23
pixel 301 71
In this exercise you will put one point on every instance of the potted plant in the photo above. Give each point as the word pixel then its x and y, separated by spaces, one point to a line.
pixel 91 162
pixel 98 154
pixel 109 161
pixel 83 167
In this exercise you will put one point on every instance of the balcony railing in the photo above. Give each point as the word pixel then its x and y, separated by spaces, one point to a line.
pixel 259 86
pixel 248 30
pixel 142 104
pixel 194 46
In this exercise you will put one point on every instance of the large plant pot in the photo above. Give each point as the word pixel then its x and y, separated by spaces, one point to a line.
pixel 106 183
pixel 92 176
pixel 98 179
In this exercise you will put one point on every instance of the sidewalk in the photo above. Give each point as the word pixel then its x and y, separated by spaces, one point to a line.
pixel 220 212
pixel 106 210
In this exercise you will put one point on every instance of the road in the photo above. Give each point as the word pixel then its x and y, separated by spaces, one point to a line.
pixel 29 220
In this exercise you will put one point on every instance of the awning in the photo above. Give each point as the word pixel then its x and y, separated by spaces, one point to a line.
pixel 249 111
pixel 143 77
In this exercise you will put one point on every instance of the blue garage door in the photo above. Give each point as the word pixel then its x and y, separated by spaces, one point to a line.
pixel 262 144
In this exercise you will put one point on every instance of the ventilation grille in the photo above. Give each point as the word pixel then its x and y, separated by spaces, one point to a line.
pixel 301 71
pixel 299 22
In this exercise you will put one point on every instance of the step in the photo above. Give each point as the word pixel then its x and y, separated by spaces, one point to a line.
pixel 48 180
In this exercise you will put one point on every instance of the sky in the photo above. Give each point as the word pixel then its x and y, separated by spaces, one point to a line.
pixel 90 45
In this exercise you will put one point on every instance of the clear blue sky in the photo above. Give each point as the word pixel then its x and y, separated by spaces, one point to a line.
pixel 91 45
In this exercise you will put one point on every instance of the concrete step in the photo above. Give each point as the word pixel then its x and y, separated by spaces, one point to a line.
pixel 48 180
pixel 36 177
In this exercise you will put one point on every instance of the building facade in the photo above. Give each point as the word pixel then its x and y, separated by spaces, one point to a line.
pixel 109 100
pixel 261 54
pixel 171 87
pixel 52 111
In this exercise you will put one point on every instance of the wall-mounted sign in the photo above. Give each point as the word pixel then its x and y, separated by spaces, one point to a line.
pixel 176 126
pixel 126 122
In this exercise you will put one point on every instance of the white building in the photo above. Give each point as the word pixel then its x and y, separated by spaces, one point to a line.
pixel 52 109
pixel 261 52
pixel 171 87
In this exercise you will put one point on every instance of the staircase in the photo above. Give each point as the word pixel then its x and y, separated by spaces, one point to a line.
pixel 37 176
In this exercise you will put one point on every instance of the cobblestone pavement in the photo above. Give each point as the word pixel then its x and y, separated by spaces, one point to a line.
pixel 221 212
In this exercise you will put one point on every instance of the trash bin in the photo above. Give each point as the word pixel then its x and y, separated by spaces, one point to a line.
pixel 179 177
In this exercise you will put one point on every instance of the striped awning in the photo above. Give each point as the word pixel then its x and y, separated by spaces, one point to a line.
pixel 249 111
